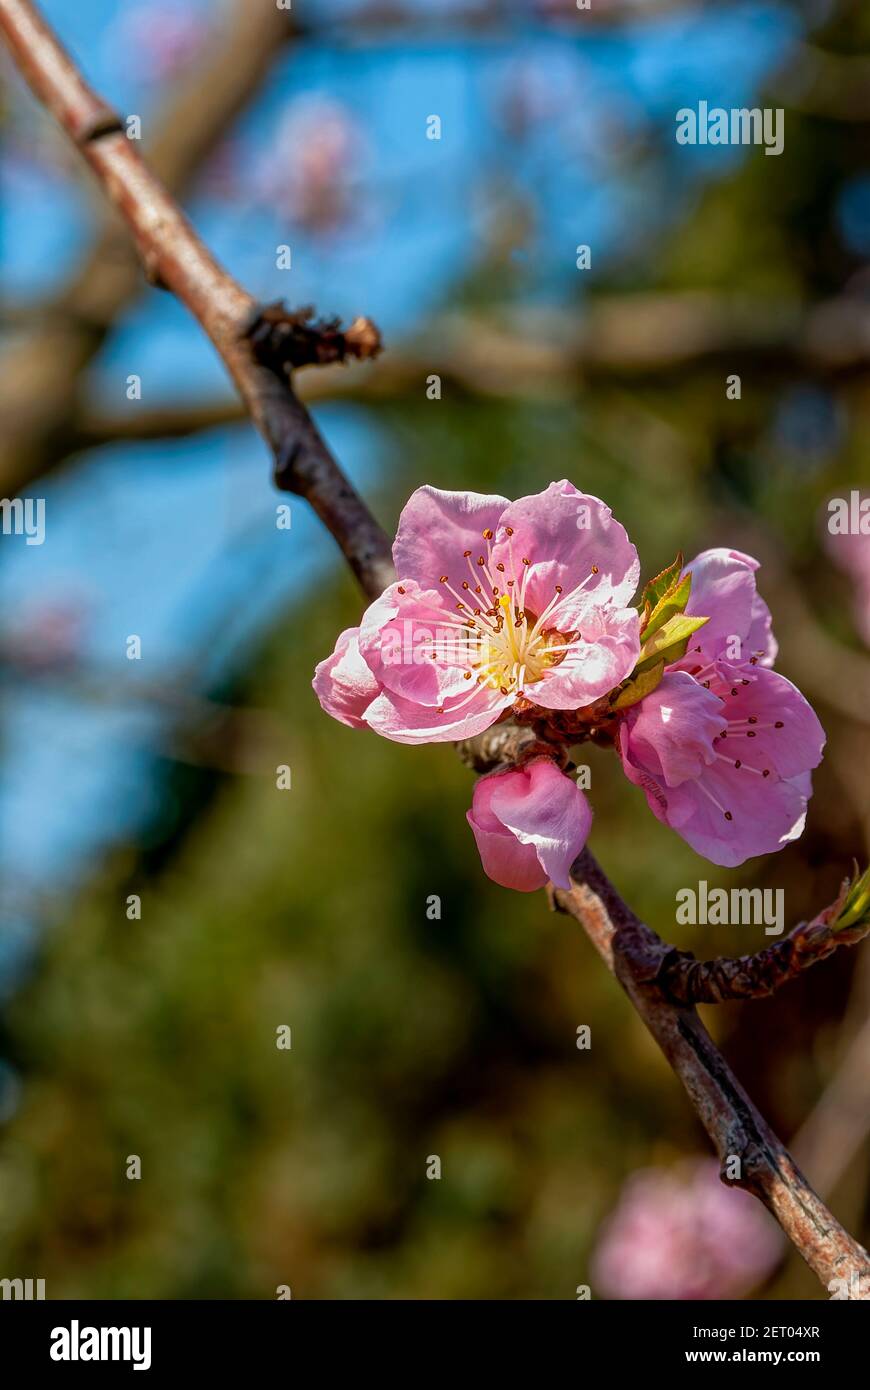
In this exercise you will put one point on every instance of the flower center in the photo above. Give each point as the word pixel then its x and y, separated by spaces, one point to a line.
pixel 504 644
pixel 511 650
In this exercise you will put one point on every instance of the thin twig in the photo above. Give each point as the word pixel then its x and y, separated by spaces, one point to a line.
pixel 634 953
pixel 176 258
pixel 41 371
pixel 689 981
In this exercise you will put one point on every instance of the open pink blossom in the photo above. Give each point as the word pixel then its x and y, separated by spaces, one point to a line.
pixel 530 823
pixel 727 766
pixel 497 602
pixel 724 746
pixel 680 1233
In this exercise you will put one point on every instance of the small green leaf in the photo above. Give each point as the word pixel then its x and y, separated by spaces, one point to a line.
pixel 669 643
pixel 856 906
pixel 637 687
pixel 655 589
pixel 672 602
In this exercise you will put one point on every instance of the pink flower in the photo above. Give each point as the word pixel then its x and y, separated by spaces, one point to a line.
pixel 682 1234
pixel 723 748
pixel 529 824
pixel 496 603
pixel 747 793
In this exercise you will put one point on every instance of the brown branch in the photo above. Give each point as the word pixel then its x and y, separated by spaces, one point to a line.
pixel 174 256
pixel 634 954
pixel 520 356
pixel 172 252
pixel 689 981
pixel 40 372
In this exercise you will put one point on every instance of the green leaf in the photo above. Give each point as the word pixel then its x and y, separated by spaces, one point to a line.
pixel 670 642
pixel 856 906
pixel 655 589
pixel 672 602
pixel 637 687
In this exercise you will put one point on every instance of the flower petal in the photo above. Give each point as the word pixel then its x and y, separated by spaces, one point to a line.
pixel 764 815
pixel 786 735
pixel 564 533
pixel 344 684
pixel 413 645
pixel 435 529
pixel 751 796
pixel 723 590
pixel 505 860
pixel 404 721
pixel 670 732
pixel 603 655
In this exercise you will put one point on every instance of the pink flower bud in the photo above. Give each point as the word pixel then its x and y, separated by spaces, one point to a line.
pixel 530 824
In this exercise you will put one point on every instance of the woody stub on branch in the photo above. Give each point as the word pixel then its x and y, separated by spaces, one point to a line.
pixel 510 629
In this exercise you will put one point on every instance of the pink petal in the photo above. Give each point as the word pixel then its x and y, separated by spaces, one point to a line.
pixel 771 700
pixel 765 815
pixel 506 861
pixel 723 590
pixel 344 684
pixel 564 533
pixel 603 656
pixel 850 552
pixel 410 641
pixel 760 638
pixel 436 527
pixel 404 721
pixel 670 733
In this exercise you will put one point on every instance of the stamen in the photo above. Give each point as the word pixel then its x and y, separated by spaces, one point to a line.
pixel 715 801
pixel 744 767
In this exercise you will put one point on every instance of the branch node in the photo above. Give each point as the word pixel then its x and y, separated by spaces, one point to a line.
pixel 103 122
pixel 284 339
pixel 151 267
pixel 284 470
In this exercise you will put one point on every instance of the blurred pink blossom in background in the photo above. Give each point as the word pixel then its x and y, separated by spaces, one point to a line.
pixel 679 1233
pixel 310 171
pixel 159 38
pixel 48 636
pixel 850 552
